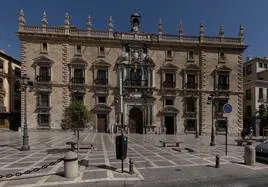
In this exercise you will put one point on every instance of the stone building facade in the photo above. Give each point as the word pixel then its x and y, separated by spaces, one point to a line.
pixel 150 82
pixel 9 92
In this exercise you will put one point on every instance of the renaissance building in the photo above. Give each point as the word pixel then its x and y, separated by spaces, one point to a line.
pixel 150 82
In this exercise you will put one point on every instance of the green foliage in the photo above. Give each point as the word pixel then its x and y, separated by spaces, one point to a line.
pixel 76 115
pixel 262 114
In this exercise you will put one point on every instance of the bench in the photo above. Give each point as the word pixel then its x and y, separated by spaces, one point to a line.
pixel 165 142
pixel 73 144
pixel 241 142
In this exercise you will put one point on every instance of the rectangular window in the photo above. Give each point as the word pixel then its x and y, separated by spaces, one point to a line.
pixel 44 119
pixel 266 94
pixel 191 81
pixel 223 81
pixel 265 65
pixel 169 54
pixel 44 47
pixel 44 100
pixel 190 124
pixel 44 74
pixel 221 57
pixel 190 55
pixel 101 99
pixel 101 51
pixel 169 102
pixel 169 80
pixel 78 49
pixel 190 105
pixel 260 93
pixel 78 76
pixel 219 105
pixel 260 65
pixel 101 77
pixel 248 94
pixel 248 70
pixel 17 72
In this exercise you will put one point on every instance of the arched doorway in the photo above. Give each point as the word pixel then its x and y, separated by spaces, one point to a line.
pixel 135 121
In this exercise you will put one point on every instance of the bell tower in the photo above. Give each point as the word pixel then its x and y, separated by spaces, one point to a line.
pixel 135 20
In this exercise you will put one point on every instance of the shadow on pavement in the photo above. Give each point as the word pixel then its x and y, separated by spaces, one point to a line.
pixel 235 162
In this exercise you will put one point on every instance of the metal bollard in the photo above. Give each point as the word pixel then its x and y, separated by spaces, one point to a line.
pixel 217 161
pixel 71 165
pixel 131 165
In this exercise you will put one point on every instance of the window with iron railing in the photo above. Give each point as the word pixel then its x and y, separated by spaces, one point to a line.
pixel 169 81
pixel 223 82
pixel 43 100
pixel 190 105
pixel 191 81
pixel 78 77
pixel 44 74
pixel 43 119
pixel 102 78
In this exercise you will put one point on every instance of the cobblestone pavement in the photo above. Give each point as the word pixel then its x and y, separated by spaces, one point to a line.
pixel 152 162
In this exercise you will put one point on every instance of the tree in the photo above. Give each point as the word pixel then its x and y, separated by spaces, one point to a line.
pixel 262 115
pixel 76 115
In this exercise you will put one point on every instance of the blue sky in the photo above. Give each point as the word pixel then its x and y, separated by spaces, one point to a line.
pixel 253 15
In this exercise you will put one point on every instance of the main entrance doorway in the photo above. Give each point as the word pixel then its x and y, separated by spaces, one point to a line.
pixel 169 124
pixel 102 122
pixel 135 121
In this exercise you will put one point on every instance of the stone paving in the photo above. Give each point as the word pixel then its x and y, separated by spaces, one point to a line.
pixel 100 164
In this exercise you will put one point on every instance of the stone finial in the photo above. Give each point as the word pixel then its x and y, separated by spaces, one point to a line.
pixel 202 29
pixel 110 24
pixel 89 23
pixel 221 33
pixel 160 27
pixel 67 19
pixel 241 31
pixel 181 30
pixel 21 18
pixel 44 19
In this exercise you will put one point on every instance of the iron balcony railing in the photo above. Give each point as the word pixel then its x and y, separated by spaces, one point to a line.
pixel 191 85
pixel 223 86
pixel 101 81
pixel 78 80
pixel 168 84
pixel 135 82
pixel 43 78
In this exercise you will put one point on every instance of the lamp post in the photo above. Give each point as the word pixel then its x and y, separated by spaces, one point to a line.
pixel 210 100
pixel 25 83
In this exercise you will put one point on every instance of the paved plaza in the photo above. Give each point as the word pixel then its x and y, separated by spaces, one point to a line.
pixel 99 167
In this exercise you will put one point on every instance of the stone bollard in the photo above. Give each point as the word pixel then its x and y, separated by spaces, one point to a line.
pixel 131 167
pixel 217 161
pixel 71 165
pixel 249 154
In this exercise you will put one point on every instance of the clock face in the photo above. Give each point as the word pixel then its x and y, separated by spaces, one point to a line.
pixel 135 28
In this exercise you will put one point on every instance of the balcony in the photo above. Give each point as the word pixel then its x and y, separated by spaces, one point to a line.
pixel 78 80
pixel 191 85
pixel 103 82
pixel 136 83
pixel 168 84
pixel 223 86
pixel 43 78
pixel 190 114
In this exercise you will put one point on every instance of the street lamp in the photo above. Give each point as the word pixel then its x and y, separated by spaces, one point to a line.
pixel 25 84
pixel 211 100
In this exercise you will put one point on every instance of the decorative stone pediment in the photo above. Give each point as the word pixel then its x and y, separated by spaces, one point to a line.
pixel 149 61
pixel 169 66
pixel 101 108
pixel 43 60
pixel 78 61
pixel 123 59
pixel 101 63
pixel 223 68
pixel 192 67
pixel 170 110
